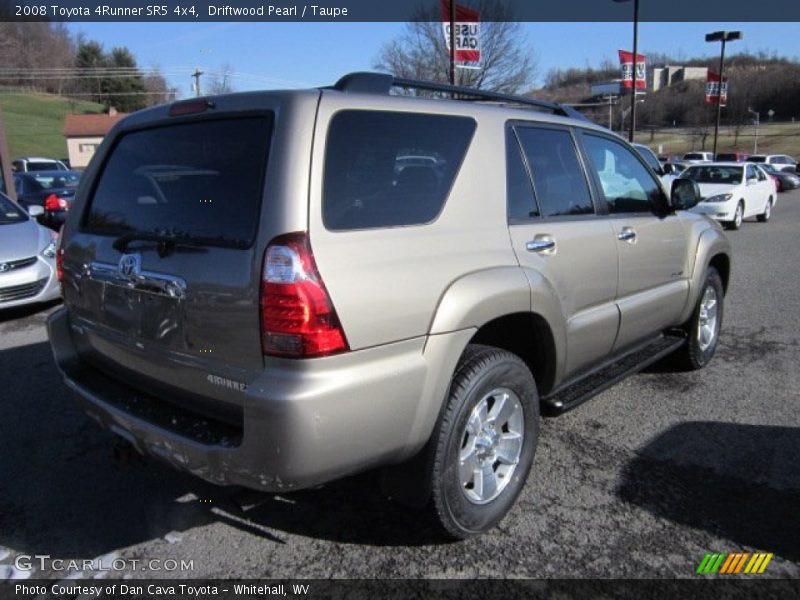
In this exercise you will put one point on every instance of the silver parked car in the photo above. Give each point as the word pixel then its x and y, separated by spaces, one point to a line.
pixel 27 257
pixel 279 289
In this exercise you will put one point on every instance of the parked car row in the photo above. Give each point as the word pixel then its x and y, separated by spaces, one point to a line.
pixel 53 190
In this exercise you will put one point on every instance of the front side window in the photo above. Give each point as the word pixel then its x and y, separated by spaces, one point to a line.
pixel 558 179
pixel 390 169
pixel 627 185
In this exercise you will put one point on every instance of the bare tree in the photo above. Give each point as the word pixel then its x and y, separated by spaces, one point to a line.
pixel 219 82
pixel 508 64
pixel 158 90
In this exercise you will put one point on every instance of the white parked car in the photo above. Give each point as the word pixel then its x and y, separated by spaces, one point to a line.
pixel 733 192
pixel 27 257
pixel 697 156
pixel 38 163
pixel 781 162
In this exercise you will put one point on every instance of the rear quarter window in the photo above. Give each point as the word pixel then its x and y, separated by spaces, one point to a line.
pixel 390 169
pixel 201 179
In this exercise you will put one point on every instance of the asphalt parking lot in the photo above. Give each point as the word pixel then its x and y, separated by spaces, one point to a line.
pixel 640 482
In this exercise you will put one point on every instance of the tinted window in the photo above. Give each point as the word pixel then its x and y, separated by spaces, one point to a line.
pixel 387 169
pixel 10 213
pixel 627 185
pixel 558 179
pixel 760 174
pixel 202 179
pixel 758 159
pixel 42 166
pixel 694 156
pixel 650 158
pixel 712 174
pixel 751 172
pixel 54 180
pixel 521 202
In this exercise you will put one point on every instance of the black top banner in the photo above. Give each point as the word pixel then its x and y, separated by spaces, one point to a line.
pixel 397 10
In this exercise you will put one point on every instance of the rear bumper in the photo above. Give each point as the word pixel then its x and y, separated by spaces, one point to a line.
pixel 304 422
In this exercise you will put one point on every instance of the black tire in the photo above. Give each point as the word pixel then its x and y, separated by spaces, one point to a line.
pixel 482 370
pixel 764 217
pixel 693 355
pixel 737 222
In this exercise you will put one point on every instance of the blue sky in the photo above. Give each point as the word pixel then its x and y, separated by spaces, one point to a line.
pixel 268 55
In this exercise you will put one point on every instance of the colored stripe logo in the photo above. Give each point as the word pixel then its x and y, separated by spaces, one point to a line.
pixel 735 563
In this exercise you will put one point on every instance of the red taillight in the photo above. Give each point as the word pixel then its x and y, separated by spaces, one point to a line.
pixel 59 264
pixel 53 202
pixel 297 316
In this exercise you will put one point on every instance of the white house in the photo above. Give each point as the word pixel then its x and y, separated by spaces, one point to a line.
pixel 84 134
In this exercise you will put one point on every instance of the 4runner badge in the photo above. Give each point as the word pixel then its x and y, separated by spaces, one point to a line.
pixel 227 383
pixel 130 265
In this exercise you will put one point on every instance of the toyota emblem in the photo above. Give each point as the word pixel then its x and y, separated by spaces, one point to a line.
pixel 130 265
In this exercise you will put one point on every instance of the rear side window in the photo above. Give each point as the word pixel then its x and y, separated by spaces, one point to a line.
pixel 519 193
pixel 559 182
pixel 202 179
pixel 388 169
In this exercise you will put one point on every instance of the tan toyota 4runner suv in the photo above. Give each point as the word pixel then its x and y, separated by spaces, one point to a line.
pixel 279 289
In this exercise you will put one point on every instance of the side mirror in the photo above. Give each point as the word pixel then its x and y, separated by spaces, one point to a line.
pixel 35 210
pixel 752 181
pixel 685 194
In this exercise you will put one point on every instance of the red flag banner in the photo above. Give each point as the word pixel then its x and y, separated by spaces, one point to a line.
pixel 468 34
pixel 626 63
pixel 713 89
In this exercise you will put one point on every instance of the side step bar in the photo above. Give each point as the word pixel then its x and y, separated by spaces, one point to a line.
pixel 578 392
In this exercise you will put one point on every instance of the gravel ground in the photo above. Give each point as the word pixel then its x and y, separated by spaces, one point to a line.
pixel 640 482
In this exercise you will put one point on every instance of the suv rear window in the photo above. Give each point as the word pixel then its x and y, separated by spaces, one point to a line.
pixel 388 169
pixel 202 179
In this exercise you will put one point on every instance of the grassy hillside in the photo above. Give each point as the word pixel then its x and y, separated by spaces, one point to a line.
pixel 35 122
pixel 773 138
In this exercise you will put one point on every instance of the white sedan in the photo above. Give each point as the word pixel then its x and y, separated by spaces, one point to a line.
pixel 733 192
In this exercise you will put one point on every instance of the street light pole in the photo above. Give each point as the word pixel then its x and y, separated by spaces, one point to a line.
pixel 721 36
pixel 452 42
pixel 756 121
pixel 632 130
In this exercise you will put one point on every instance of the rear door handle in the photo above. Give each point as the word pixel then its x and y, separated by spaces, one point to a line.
pixel 544 245
pixel 628 234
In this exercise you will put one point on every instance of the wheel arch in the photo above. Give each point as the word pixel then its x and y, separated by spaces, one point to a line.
pixel 713 249
pixel 527 335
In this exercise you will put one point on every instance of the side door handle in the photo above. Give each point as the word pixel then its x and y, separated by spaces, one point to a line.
pixel 628 234
pixel 543 244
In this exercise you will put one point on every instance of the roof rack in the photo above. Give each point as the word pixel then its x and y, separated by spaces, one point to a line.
pixel 381 83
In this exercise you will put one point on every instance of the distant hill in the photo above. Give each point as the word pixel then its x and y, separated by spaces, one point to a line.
pixel 35 121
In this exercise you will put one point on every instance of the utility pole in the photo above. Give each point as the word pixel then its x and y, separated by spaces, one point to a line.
pixel 197 73
pixel 721 36
pixel 5 162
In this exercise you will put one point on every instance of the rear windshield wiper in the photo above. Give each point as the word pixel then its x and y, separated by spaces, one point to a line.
pixel 166 242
